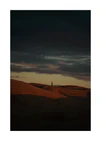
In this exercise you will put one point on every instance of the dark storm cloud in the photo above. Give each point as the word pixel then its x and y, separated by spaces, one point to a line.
pixel 58 38
pixel 73 69
pixel 77 68
pixel 30 58
pixel 45 31
pixel 42 66
pixel 38 69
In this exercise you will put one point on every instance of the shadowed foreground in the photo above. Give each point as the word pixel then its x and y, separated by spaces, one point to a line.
pixel 30 112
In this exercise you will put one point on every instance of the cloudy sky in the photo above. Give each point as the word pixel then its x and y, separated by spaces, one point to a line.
pixel 51 46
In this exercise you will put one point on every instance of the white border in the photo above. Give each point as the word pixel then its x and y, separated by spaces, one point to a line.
pixel 5 7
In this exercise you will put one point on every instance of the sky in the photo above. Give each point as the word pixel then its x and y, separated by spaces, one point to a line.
pixel 51 46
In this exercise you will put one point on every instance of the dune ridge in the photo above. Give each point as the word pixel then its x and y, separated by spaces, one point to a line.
pixel 19 87
pixel 67 90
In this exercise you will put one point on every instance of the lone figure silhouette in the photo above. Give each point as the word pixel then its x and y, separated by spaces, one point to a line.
pixel 51 83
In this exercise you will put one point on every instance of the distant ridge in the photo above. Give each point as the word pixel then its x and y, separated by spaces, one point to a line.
pixel 66 90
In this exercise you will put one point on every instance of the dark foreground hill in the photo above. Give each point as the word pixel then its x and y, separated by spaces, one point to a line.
pixel 30 112
pixel 39 112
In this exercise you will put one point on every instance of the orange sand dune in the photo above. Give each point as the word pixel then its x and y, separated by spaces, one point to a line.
pixel 19 87
pixel 73 92
pixel 68 90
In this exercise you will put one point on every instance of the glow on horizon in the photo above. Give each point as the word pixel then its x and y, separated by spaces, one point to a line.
pixel 32 77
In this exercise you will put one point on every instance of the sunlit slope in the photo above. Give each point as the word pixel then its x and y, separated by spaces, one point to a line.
pixel 19 87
